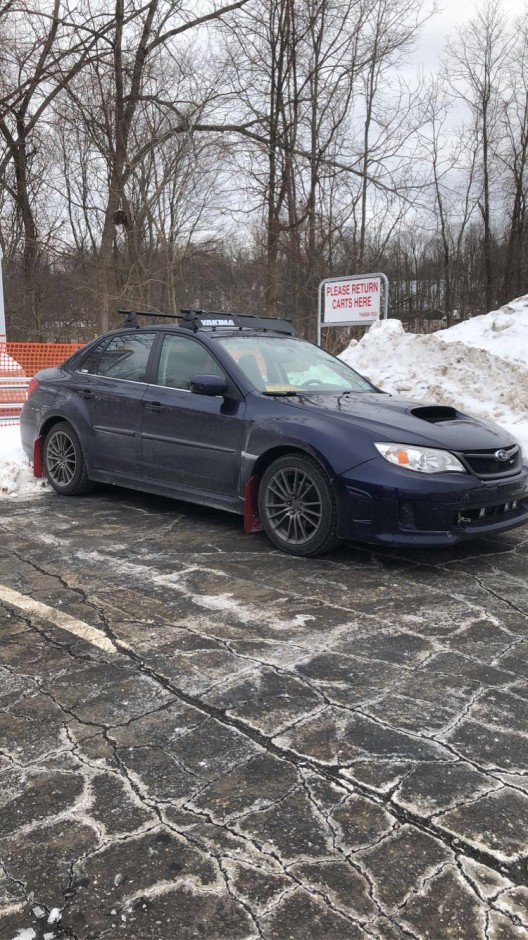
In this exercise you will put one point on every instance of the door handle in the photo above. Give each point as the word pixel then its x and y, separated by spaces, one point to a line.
pixel 85 392
pixel 154 406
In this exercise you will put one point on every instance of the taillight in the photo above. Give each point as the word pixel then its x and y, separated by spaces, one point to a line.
pixel 33 385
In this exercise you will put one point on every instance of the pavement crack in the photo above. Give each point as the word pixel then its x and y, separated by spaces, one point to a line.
pixel 239 900
pixel 419 890
pixel 504 600
pixel 450 726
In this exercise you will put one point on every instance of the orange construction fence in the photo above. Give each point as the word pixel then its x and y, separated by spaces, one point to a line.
pixel 19 362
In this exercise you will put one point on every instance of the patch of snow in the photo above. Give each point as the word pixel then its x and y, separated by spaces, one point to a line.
pixel 479 366
pixel 8 365
pixel 26 933
pixel 246 613
pixel 16 472
pixel 54 915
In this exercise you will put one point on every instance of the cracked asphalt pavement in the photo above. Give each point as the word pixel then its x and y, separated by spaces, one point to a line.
pixel 242 744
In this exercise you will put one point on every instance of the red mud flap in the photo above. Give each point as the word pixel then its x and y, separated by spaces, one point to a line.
pixel 252 521
pixel 38 458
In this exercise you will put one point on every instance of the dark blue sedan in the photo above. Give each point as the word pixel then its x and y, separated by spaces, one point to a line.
pixel 237 413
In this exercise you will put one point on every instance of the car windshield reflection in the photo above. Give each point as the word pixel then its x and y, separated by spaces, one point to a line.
pixel 279 366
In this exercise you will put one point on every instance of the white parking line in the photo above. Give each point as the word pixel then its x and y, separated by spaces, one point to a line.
pixel 83 630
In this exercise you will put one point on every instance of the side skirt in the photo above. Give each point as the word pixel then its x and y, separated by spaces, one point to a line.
pixel 188 495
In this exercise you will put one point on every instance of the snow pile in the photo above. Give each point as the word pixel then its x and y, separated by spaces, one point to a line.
pixel 479 366
pixel 16 472
pixel 503 332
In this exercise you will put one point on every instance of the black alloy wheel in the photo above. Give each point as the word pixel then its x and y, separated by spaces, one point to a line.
pixel 64 463
pixel 297 506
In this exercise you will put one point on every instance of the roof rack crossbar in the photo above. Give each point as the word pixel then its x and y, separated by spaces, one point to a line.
pixel 132 315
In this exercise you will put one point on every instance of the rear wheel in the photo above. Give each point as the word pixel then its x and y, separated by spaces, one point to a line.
pixel 297 506
pixel 64 463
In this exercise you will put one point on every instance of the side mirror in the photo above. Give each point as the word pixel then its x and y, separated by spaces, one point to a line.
pixel 208 385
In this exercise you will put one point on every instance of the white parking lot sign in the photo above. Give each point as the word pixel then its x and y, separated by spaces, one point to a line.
pixel 352 301
pixel 345 300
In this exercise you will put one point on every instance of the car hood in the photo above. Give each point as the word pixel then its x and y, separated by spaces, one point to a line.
pixel 408 422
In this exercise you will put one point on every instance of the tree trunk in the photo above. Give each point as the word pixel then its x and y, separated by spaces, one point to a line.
pixel 488 247
pixel 30 255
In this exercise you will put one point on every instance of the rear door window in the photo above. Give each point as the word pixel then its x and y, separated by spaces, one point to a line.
pixel 126 357
pixel 90 362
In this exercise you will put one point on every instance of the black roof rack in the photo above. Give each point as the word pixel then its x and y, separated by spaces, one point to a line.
pixel 212 320
pixel 205 319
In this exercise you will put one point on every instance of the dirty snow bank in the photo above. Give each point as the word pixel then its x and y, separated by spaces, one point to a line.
pixel 479 366
pixel 16 472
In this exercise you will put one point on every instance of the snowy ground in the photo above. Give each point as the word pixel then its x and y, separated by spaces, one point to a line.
pixel 16 472
pixel 480 366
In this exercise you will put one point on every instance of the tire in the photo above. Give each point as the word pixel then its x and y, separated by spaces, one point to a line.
pixel 297 506
pixel 64 463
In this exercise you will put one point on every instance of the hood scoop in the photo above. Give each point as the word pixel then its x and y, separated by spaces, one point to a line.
pixel 436 414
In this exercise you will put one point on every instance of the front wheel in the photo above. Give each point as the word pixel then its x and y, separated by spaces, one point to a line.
pixel 64 463
pixel 297 506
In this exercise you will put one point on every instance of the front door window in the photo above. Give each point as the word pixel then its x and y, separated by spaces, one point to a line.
pixel 181 359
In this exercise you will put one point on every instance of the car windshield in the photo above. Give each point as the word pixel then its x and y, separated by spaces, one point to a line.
pixel 278 365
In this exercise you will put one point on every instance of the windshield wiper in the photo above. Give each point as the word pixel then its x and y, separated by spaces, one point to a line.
pixel 287 392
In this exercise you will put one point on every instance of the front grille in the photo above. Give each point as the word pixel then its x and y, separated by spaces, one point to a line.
pixel 485 463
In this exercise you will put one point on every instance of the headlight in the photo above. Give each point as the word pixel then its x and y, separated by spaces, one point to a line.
pixel 421 459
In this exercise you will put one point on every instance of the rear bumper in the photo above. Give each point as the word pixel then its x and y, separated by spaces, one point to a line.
pixel 427 511
pixel 29 419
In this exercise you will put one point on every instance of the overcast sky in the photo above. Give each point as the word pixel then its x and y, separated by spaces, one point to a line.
pixel 452 14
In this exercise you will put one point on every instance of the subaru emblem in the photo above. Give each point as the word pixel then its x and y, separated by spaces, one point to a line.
pixel 501 455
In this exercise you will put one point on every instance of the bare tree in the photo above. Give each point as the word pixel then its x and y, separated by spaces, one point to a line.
pixel 390 31
pixel 123 78
pixel 475 71
pixel 302 70
pixel 513 154
pixel 43 52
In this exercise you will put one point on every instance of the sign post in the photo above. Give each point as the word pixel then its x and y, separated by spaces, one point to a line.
pixel 352 300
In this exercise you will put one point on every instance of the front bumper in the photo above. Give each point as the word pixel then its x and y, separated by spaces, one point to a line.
pixel 380 504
